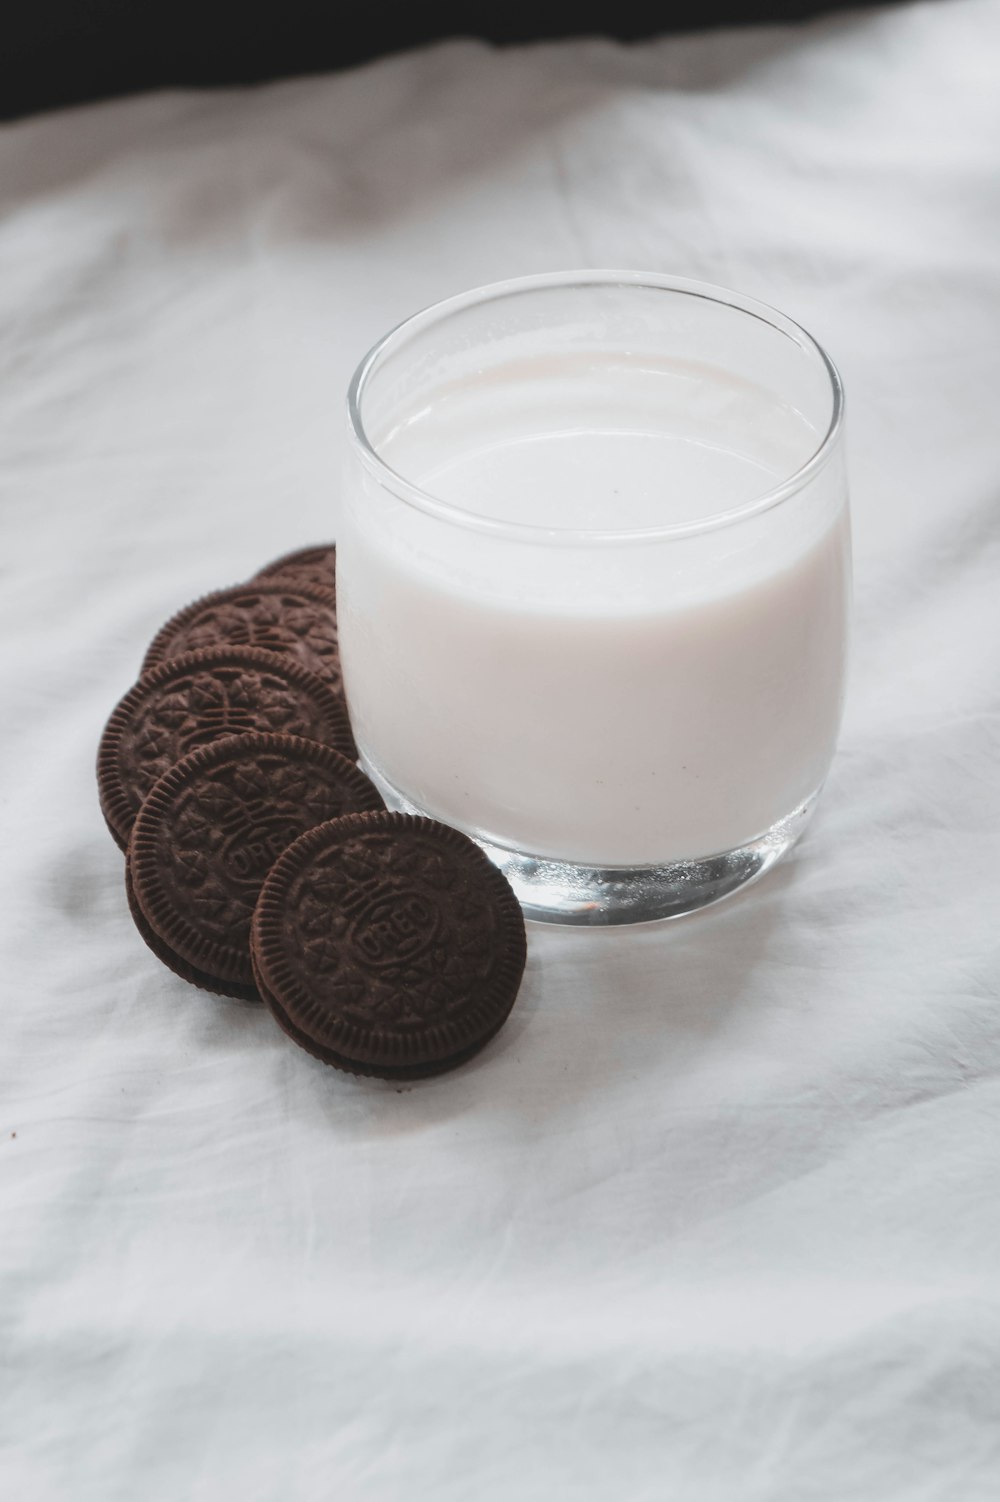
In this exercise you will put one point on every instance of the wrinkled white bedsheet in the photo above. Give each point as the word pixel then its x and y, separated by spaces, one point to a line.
pixel 716 1218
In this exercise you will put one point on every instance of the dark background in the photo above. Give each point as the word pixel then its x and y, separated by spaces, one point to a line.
pixel 58 52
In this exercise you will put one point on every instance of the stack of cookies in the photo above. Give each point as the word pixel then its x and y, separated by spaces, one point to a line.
pixel 261 863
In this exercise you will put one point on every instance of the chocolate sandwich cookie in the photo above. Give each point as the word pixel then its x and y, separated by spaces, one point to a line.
pixel 209 832
pixel 189 701
pixel 295 620
pixel 315 566
pixel 243 991
pixel 388 945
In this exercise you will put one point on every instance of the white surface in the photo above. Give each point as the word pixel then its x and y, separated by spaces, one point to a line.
pixel 716 1217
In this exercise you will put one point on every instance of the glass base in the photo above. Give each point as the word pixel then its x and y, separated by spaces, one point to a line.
pixel 552 891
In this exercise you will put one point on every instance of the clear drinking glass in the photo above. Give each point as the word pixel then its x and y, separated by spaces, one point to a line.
pixel 593 582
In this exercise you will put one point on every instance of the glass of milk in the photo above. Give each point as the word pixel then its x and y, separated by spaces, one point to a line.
pixel 593 577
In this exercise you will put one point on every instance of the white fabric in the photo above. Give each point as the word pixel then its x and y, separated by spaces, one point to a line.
pixel 716 1216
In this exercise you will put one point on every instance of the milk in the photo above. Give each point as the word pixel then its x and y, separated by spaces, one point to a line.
pixel 624 699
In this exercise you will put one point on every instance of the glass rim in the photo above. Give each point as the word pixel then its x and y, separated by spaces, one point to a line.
pixel 424 500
